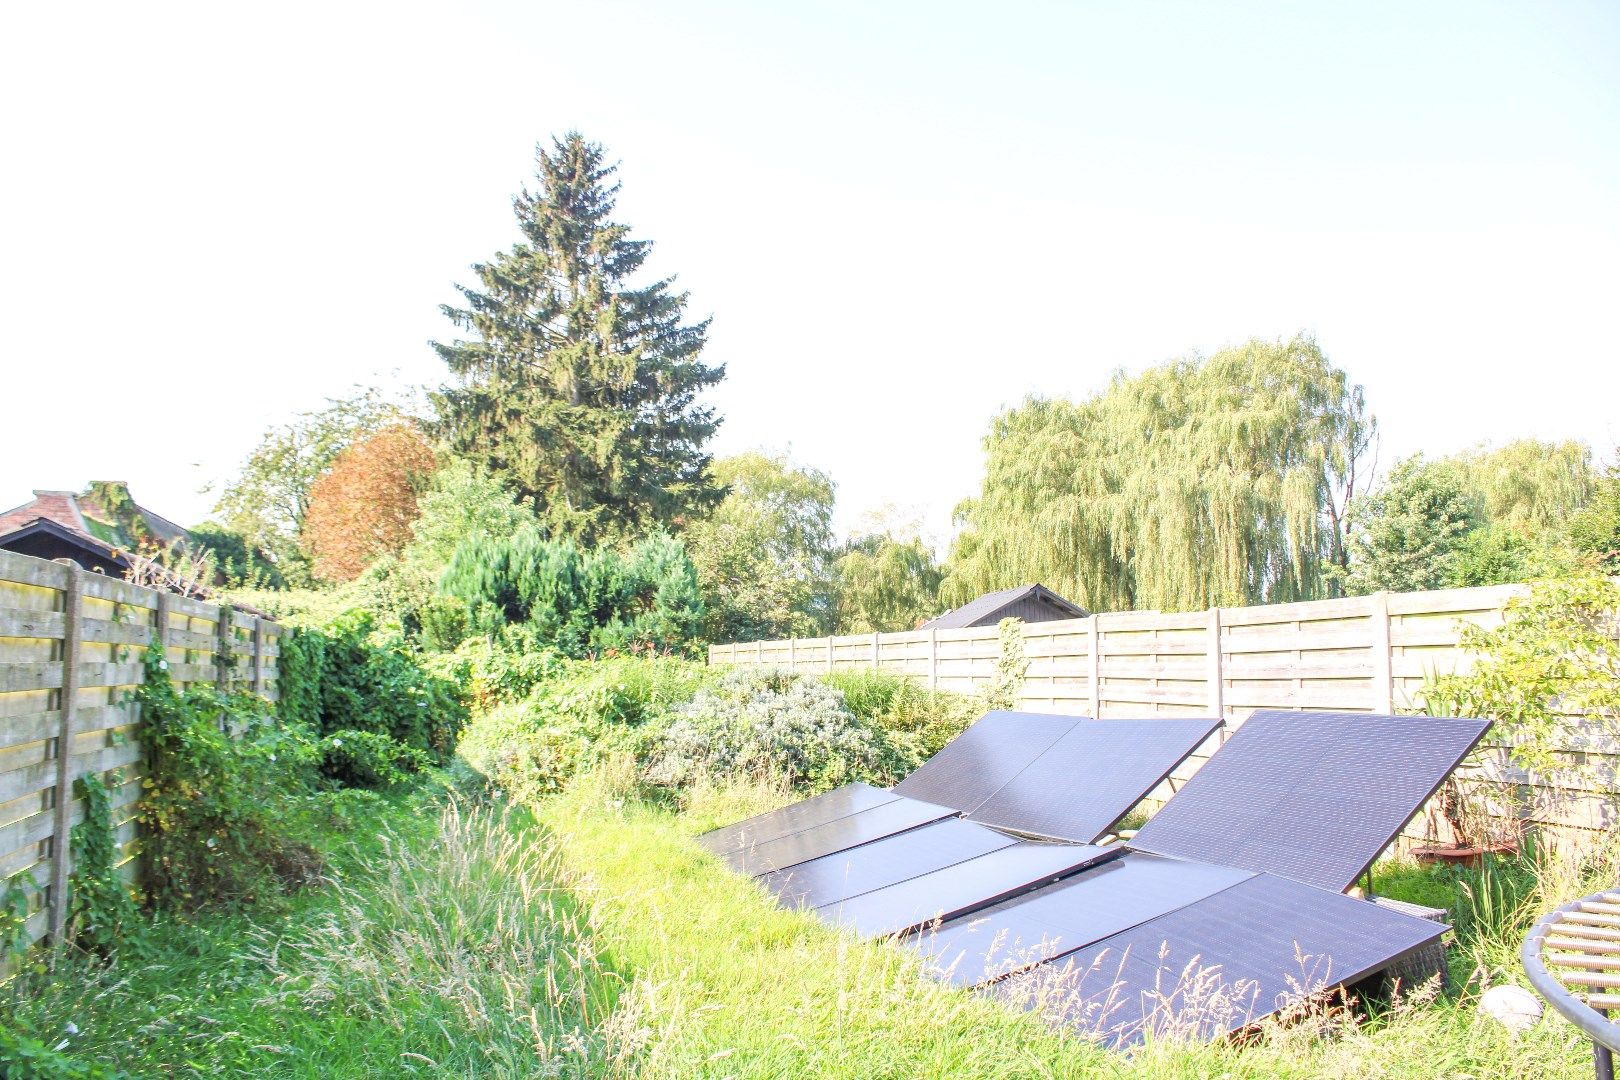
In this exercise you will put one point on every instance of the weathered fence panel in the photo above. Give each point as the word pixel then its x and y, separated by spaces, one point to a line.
pixel 72 646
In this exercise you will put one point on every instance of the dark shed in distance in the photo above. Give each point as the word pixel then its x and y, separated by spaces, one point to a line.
pixel 1032 603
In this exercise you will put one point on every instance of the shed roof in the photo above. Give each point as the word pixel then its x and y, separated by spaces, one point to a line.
pixel 984 609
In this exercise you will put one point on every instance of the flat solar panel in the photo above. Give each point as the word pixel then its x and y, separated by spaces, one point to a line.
pixel 861 827
pixel 975 764
pixel 1060 918
pixel 1220 963
pixel 963 887
pixel 884 862
pixel 1312 796
pixel 1091 776
pixel 817 810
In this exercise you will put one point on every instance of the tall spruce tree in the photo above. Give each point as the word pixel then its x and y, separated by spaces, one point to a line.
pixel 579 389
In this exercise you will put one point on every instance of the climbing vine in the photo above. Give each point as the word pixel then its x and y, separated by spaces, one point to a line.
pixel 101 911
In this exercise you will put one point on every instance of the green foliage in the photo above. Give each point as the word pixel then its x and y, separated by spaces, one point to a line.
pixel 370 682
pixel 1548 677
pixel 14 913
pixel 764 723
pixel 578 603
pixel 238 563
pixel 923 720
pixel 23 1056
pixel 1011 667
pixel 101 911
pixel 1498 554
pixel 1594 532
pixel 458 502
pixel 299 670
pixel 221 775
pixel 369 759
pixel 1527 485
pixel 267 501
pixel 580 388
pixel 1405 536
pixel 1201 482
pixel 764 557
pixel 886 584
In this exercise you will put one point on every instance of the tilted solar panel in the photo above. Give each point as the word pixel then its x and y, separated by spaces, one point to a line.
pixel 1220 963
pixel 1311 796
pixel 1071 914
pixel 817 810
pixel 1091 776
pixel 975 764
pixel 963 887
pixel 882 863
pixel 861 827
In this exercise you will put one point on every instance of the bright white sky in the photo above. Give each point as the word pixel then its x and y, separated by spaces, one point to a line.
pixel 903 217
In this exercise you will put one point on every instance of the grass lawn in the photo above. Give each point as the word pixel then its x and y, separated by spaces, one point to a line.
pixel 441 946
pixel 594 938
pixel 728 985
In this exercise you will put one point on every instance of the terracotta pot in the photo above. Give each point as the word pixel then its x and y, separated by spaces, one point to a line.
pixel 1461 855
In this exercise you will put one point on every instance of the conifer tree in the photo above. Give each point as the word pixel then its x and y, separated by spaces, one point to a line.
pixel 579 388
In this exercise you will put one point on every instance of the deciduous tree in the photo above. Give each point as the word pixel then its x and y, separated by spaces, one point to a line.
pixel 363 507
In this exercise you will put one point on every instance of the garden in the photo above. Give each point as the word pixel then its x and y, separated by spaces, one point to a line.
pixel 459 842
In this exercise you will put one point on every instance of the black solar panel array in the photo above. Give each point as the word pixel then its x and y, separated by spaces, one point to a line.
pixel 1091 776
pixel 974 765
pixel 1312 796
pixel 1118 943
pixel 1219 963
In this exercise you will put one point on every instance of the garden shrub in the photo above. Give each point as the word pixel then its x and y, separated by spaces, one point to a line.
pixel 222 775
pixel 924 720
pixel 579 603
pixel 763 722
pixel 349 678
pixel 571 720
pixel 369 759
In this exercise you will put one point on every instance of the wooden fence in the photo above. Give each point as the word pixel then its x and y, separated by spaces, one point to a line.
pixel 1361 654
pixel 72 645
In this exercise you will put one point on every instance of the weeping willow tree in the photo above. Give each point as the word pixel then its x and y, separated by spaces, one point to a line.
pixel 1204 481
pixel 1529 485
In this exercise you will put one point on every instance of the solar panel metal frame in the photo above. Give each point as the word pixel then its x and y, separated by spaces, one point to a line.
pixel 1241 781
pixel 972 767
pixel 1224 933
pixel 1067 860
pixel 1099 743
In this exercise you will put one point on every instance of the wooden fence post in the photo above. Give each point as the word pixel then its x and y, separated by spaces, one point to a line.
pixel 1095 682
pixel 829 652
pixel 793 654
pixel 1217 684
pixel 161 630
pixel 759 654
pixel 933 658
pixel 258 656
pixel 1383 665
pixel 222 650
pixel 875 648
pixel 61 848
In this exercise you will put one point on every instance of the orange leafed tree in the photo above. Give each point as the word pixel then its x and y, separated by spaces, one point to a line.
pixel 362 508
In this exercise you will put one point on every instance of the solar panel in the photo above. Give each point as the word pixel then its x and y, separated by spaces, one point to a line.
pixel 1220 963
pixel 1091 776
pixel 963 887
pixel 861 827
pixel 1060 918
pixel 972 766
pixel 884 862
pixel 1311 796
pixel 817 810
